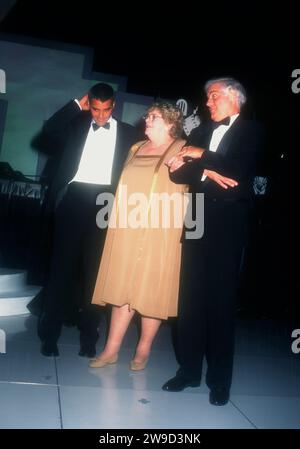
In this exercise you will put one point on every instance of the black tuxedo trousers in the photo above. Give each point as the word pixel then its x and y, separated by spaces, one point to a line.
pixel 78 244
pixel 208 292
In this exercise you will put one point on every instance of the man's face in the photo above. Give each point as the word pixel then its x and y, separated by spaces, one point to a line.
pixel 101 111
pixel 221 102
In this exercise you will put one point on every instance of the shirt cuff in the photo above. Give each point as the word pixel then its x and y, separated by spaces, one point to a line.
pixel 76 101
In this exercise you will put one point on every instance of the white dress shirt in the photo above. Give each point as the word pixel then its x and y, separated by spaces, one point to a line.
pixel 95 166
pixel 217 136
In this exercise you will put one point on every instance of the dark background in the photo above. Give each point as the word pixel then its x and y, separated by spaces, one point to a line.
pixel 169 51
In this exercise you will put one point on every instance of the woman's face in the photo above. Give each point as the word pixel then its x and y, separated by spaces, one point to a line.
pixel 155 124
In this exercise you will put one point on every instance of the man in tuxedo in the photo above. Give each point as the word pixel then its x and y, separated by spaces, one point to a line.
pixel 220 162
pixel 92 147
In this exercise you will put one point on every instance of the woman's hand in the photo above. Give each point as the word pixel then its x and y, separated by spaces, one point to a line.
pixel 190 152
pixel 223 181
pixel 187 153
pixel 174 163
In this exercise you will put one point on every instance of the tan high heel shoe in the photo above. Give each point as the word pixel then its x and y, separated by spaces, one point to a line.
pixel 138 366
pixel 99 362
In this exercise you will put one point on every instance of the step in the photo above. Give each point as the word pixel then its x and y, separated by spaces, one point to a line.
pixel 12 280
pixel 15 303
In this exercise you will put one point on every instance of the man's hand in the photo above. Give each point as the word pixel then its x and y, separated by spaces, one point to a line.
pixel 219 179
pixel 84 103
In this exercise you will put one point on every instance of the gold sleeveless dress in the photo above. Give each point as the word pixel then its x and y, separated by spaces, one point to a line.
pixel 141 266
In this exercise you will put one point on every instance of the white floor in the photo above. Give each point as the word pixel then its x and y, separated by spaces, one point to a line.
pixel 63 392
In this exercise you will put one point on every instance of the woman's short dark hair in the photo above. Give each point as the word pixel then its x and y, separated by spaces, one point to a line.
pixel 102 92
pixel 171 114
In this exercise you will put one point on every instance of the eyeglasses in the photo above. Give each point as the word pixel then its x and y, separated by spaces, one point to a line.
pixel 151 117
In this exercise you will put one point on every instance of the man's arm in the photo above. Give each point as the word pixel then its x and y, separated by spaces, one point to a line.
pixel 59 122
pixel 187 173
pixel 191 173
pixel 240 160
pixel 242 157
pixel 55 131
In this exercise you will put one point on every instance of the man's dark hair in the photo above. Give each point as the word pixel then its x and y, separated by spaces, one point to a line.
pixel 102 92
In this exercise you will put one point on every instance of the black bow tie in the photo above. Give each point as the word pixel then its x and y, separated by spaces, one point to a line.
pixel 225 121
pixel 95 126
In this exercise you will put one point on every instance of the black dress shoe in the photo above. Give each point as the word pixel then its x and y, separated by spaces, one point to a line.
pixel 179 383
pixel 219 396
pixel 87 351
pixel 49 349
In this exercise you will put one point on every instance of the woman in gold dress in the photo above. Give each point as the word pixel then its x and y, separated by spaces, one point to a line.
pixel 140 265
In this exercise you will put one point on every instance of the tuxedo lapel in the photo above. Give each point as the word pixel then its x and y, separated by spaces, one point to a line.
pixel 228 138
pixel 120 155
pixel 80 136
pixel 76 145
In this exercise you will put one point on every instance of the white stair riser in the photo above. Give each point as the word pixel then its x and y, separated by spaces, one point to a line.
pixel 14 293
pixel 12 281
pixel 18 306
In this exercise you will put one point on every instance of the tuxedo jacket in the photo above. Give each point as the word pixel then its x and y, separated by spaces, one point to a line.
pixel 66 132
pixel 238 156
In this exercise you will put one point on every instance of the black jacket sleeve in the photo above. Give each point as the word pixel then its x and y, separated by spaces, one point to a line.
pixel 189 173
pixel 56 130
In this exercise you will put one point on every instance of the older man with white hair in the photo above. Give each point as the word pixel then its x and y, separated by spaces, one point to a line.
pixel 226 151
